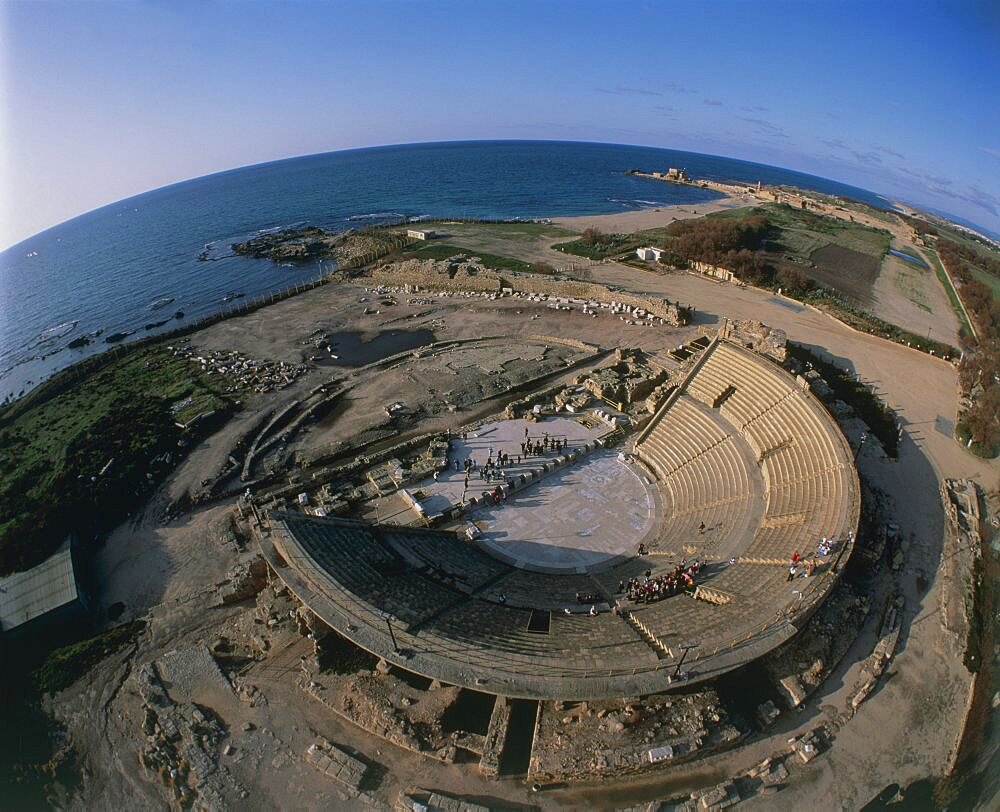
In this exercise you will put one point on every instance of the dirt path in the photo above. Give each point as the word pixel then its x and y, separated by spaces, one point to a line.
pixel 913 298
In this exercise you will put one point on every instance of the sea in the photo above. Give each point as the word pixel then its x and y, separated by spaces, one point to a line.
pixel 130 269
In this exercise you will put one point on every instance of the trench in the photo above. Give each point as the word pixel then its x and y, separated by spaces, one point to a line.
pixel 744 689
pixel 470 712
pixel 520 737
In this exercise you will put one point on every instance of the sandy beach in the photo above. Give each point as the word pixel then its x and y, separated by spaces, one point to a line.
pixel 640 219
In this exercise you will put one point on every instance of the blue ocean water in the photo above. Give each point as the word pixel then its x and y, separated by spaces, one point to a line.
pixel 104 270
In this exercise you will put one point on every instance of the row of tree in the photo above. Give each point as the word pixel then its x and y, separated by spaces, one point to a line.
pixel 733 244
pixel 979 371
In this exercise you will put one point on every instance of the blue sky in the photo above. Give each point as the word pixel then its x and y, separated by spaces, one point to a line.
pixel 99 101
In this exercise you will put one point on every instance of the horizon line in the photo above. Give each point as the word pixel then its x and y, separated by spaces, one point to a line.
pixel 954 219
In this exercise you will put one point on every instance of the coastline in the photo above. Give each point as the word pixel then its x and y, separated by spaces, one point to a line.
pixel 641 219
pixel 626 221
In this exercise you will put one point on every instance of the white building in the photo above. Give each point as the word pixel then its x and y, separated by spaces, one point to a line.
pixel 649 253
pixel 419 234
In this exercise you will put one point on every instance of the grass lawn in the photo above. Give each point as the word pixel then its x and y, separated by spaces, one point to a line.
pixel 50 448
pixel 510 231
pixel 66 665
pixel 949 288
pixel 803 232
pixel 988 279
pixel 620 245
pixel 436 250
pixel 907 278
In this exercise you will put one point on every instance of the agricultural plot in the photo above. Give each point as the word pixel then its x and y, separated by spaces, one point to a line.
pixel 851 273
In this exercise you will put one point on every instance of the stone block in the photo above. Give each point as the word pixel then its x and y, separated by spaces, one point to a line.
pixel 795 694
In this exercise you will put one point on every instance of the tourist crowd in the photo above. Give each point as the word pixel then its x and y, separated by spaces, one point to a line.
pixel 650 588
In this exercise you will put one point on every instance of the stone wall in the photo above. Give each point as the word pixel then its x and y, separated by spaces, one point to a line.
pixel 715 271
pixel 496 736
pixel 465 275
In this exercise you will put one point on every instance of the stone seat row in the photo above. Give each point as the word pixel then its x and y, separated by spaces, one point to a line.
pixel 409 596
pixel 717 474
pixel 369 574
pixel 721 521
pixel 537 590
pixel 679 619
pixel 826 491
pixel 574 644
pixel 757 387
pixel 767 409
pixel 743 411
pixel 356 554
pixel 821 516
pixel 747 583
pixel 486 637
pixel 453 558
pixel 680 435
pixel 793 417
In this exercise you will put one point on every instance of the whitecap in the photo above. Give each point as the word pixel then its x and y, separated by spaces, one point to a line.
pixel 53 333
pixel 374 215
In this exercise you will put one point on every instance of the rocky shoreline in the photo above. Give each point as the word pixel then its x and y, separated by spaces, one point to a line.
pixel 308 242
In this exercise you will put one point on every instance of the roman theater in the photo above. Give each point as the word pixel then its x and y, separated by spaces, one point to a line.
pixel 548 579
pixel 482 538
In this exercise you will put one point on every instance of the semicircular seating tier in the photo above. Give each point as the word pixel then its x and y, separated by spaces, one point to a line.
pixel 740 446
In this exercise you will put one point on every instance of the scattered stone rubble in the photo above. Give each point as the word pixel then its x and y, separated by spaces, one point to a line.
pixel 631 379
pixel 244 373
pixel 762 780
pixel 577 740
pixel 466 275
pixel 183 740
pixel 417 800
pixel 882 655
pixel 799 667
pixel 963 545
pixel 389 708
pixel 759 337
pixel 246 579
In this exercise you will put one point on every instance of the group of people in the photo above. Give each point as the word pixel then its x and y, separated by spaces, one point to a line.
pixel 801 568
pixel 588 597
pixel 492 473
pixel 493 469
pixel 537 448
pixel 652 588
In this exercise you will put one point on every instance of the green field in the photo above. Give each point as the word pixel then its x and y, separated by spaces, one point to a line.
pixel 945 281
pixel 516 232
pixel 837 254
pixel 617 246
pixel 66 665
pixel 437 250
pixel 988 279
pixel 52 449
pixel 802 233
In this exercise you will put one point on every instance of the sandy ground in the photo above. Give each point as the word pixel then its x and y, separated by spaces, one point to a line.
pixel 913 298
pixel 641 219
pixel 904 732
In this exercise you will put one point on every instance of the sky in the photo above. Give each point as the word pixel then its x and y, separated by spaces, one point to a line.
pixel 103 100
